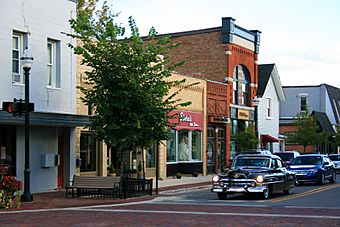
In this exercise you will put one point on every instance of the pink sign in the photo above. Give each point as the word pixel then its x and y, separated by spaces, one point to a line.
pixel 186 120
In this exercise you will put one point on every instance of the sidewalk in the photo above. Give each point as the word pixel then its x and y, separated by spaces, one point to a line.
pixel 56 199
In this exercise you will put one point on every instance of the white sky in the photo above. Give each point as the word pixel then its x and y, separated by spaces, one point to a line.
pixel 302 37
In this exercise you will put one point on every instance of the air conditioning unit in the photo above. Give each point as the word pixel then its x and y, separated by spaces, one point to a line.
pixel 16 78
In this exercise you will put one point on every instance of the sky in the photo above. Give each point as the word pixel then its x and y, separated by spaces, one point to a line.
pixel 302 37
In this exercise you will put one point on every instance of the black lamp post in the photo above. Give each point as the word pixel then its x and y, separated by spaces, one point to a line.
pixel 256 102
pixel 27 61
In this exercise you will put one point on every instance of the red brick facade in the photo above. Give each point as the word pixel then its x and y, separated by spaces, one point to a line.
pixel 211 54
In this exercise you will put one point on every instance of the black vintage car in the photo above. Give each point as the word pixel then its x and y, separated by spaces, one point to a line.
pixel 254 173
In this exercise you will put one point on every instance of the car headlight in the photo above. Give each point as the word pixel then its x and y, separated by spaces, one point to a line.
pixel 314 170
pixel 259 179
pixel 215 179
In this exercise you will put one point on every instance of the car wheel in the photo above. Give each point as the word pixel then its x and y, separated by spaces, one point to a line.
pixel 322 180
pixel 333 178
pixel 288 191
pixel 222 196
pixel 265 194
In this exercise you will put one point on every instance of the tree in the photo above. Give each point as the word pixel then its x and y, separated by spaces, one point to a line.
pixel 247 139
pixel 126 83
pixel 307 132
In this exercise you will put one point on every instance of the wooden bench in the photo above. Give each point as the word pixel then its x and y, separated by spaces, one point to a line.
pixel 93 186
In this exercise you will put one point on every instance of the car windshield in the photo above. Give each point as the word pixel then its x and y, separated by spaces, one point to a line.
pixel 307 160
pixel 251 162
pixel 335 157
pixel 285 156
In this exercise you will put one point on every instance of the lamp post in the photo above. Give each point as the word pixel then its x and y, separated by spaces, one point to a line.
pixel 27 61
pixel 256 102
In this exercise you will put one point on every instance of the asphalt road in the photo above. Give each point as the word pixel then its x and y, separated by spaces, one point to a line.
pixel 308 205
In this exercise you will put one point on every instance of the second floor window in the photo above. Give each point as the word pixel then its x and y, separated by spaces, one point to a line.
pixel 18 42
pixel 241 78
pixel 303 104
pixel 269 107
pixel 53 74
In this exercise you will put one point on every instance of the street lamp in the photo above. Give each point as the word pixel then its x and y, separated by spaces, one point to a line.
pixel 256 102
pixel 26 62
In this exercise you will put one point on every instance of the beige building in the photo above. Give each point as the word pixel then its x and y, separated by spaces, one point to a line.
pixel 94 156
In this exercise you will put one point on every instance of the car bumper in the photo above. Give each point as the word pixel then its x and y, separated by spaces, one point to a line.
pixel 308 177
pixel 239 189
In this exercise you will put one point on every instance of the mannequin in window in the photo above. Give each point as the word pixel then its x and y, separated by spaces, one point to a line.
pixel 184 149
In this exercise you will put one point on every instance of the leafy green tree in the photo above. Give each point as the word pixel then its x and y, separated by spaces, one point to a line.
pixel 307 133
pixel 126 81
pixel 247 139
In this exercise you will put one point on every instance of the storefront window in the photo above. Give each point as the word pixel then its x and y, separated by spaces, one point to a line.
pixel 170 147
pixel 189 146
pixel 196 146
pixel 183 145
pixel 88 152
pixel 150 157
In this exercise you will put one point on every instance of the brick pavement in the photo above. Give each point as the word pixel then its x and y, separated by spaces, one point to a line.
pixel 57 199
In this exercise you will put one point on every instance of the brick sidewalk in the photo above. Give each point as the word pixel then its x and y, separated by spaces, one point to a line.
pixel 57 199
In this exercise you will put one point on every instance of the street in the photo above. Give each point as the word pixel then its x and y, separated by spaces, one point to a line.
pixel 308 205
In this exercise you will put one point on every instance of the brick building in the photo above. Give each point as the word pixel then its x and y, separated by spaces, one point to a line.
pixel 227 57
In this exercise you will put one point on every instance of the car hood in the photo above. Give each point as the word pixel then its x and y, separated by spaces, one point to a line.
pixel 304 167
pixel 245 173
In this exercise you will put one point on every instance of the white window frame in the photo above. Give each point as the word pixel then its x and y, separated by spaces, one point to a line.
pixel 306 110
pixel 269 106
pixel 17 77
pixel 52 64
pixel 190 160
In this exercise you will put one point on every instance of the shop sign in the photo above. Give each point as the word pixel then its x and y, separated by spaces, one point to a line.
pixel 186 119
pixel 243 114
pixel 223 120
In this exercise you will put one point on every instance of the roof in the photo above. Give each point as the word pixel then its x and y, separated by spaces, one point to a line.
pixel 265 72
pixel 334 98
pixel 324 122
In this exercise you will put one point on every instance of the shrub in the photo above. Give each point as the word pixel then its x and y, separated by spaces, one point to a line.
pixel 10 192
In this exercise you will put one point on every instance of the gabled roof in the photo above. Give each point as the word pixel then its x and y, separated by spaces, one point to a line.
pixel 324 122
pixel 334 98
pixel 265 72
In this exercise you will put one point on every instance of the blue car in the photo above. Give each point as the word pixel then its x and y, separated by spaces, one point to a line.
pixel 313 168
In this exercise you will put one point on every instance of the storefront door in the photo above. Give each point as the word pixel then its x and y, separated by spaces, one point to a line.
pixel 7 150
pixel 216 158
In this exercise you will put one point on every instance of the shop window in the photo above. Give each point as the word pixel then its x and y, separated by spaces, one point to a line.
pixel 183 145
pixel 170 147
pixel 196 146
pixel 150 157
pixel 88 152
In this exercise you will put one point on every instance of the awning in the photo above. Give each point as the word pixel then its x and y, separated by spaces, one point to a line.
pixel 265 138
pixel 46 119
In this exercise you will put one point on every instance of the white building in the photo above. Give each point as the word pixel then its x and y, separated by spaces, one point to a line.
pixel 39 25
pixel 271 94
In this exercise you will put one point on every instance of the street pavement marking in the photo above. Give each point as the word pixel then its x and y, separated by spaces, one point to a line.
pixel 307 193
pixel 214 214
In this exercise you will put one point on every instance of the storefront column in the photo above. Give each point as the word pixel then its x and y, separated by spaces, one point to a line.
pixel 216 150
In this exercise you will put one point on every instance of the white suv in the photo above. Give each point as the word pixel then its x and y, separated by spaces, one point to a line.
pixel 287 156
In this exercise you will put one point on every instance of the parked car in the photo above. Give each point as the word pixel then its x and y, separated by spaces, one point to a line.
pixel 287 156
pixel 254 173
pixel 313 168
pixel 336 160
pixel 254 151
